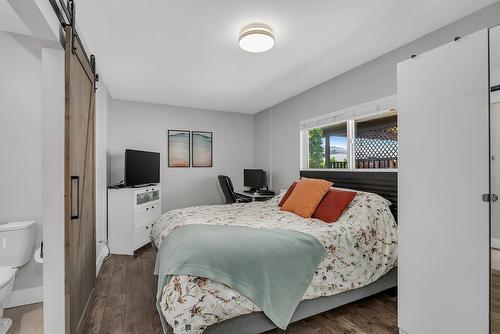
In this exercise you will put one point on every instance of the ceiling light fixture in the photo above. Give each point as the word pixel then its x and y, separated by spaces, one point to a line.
pixel 256 37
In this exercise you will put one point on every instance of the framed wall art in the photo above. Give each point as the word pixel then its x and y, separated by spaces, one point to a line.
pixel 202 150
pixel 179 148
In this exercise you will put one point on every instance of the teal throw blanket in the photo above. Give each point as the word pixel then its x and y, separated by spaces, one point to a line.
pixel 271 267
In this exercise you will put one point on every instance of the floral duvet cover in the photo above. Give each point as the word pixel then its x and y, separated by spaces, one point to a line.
pixel 361 245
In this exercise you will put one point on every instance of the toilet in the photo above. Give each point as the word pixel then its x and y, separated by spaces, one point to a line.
pixel 16 248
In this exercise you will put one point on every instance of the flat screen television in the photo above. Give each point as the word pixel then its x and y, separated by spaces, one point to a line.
pixel 141 168
pixel 253 178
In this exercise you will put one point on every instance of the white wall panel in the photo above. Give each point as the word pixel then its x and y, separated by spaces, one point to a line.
pixel 443 172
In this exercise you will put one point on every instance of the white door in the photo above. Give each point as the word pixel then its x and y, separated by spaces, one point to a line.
pixel 443 173
pixel 495 176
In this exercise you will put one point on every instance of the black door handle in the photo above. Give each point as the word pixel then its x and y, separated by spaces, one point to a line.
pixel 75 214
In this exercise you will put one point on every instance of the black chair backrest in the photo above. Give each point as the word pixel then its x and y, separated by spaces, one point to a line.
pixel 227 188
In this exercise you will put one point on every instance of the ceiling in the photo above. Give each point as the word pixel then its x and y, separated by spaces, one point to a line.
pixel 186 53
pixel 9 21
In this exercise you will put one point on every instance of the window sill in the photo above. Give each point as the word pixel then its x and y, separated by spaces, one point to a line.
pixel 381 170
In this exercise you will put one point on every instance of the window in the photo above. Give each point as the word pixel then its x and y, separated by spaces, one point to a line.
pixel 328 146
pixel 376 142
pixel 368 142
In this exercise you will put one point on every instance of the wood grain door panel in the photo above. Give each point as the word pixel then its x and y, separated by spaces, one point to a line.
pixel 79 183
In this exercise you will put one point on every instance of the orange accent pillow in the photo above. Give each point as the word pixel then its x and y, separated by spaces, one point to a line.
pixel 306 197
pixel 333 205
pixel 287 194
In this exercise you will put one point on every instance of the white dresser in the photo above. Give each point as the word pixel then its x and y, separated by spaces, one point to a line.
pixel 131 214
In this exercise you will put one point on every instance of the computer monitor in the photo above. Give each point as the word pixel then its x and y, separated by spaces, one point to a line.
pixel 253 178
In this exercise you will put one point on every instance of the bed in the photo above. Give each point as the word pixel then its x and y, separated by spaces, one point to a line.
pixel 361 260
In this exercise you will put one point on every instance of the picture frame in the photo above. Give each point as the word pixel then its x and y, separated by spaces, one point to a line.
pixel 202 149
pixel 179 148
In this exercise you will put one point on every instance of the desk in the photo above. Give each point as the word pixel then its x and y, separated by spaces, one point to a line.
pixel 255 196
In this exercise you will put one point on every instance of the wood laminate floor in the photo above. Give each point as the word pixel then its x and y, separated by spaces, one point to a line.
pixel 495 301
pixel 124 302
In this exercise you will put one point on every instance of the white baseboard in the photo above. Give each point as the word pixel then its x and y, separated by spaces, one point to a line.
pixel 25 297
pixel 100 258
pixel 495 243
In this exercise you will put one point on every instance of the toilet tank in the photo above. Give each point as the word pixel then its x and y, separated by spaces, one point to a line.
pixel 16 243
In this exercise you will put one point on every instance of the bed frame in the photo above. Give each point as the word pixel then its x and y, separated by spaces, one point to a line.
pixel 382 183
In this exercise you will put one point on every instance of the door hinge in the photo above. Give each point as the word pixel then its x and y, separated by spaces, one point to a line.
pixel 490 198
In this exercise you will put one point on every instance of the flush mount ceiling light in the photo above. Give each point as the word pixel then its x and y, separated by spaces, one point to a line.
pixel 256 37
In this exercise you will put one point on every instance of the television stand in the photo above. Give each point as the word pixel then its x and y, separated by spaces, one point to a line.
pixel 132 213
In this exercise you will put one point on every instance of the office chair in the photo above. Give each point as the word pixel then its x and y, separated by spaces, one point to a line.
pixel 228 191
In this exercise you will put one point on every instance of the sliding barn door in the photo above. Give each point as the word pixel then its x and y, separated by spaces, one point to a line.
pixel 79 183
pixel 443 174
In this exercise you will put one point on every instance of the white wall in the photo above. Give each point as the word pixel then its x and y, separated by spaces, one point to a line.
pixel 21 141
pixel 53 105
pixel 368 82
pixel 263 143
pixel 495 56
pixel 103 104
pixel 144 126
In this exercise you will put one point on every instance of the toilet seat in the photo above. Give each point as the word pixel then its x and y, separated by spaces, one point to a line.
pixel 6 276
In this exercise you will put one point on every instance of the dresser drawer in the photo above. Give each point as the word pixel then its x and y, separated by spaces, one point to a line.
pixel 146 196
pixel 141 236
pixel 146 215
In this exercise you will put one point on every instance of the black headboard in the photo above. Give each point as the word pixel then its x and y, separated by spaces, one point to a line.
pixel 384 184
